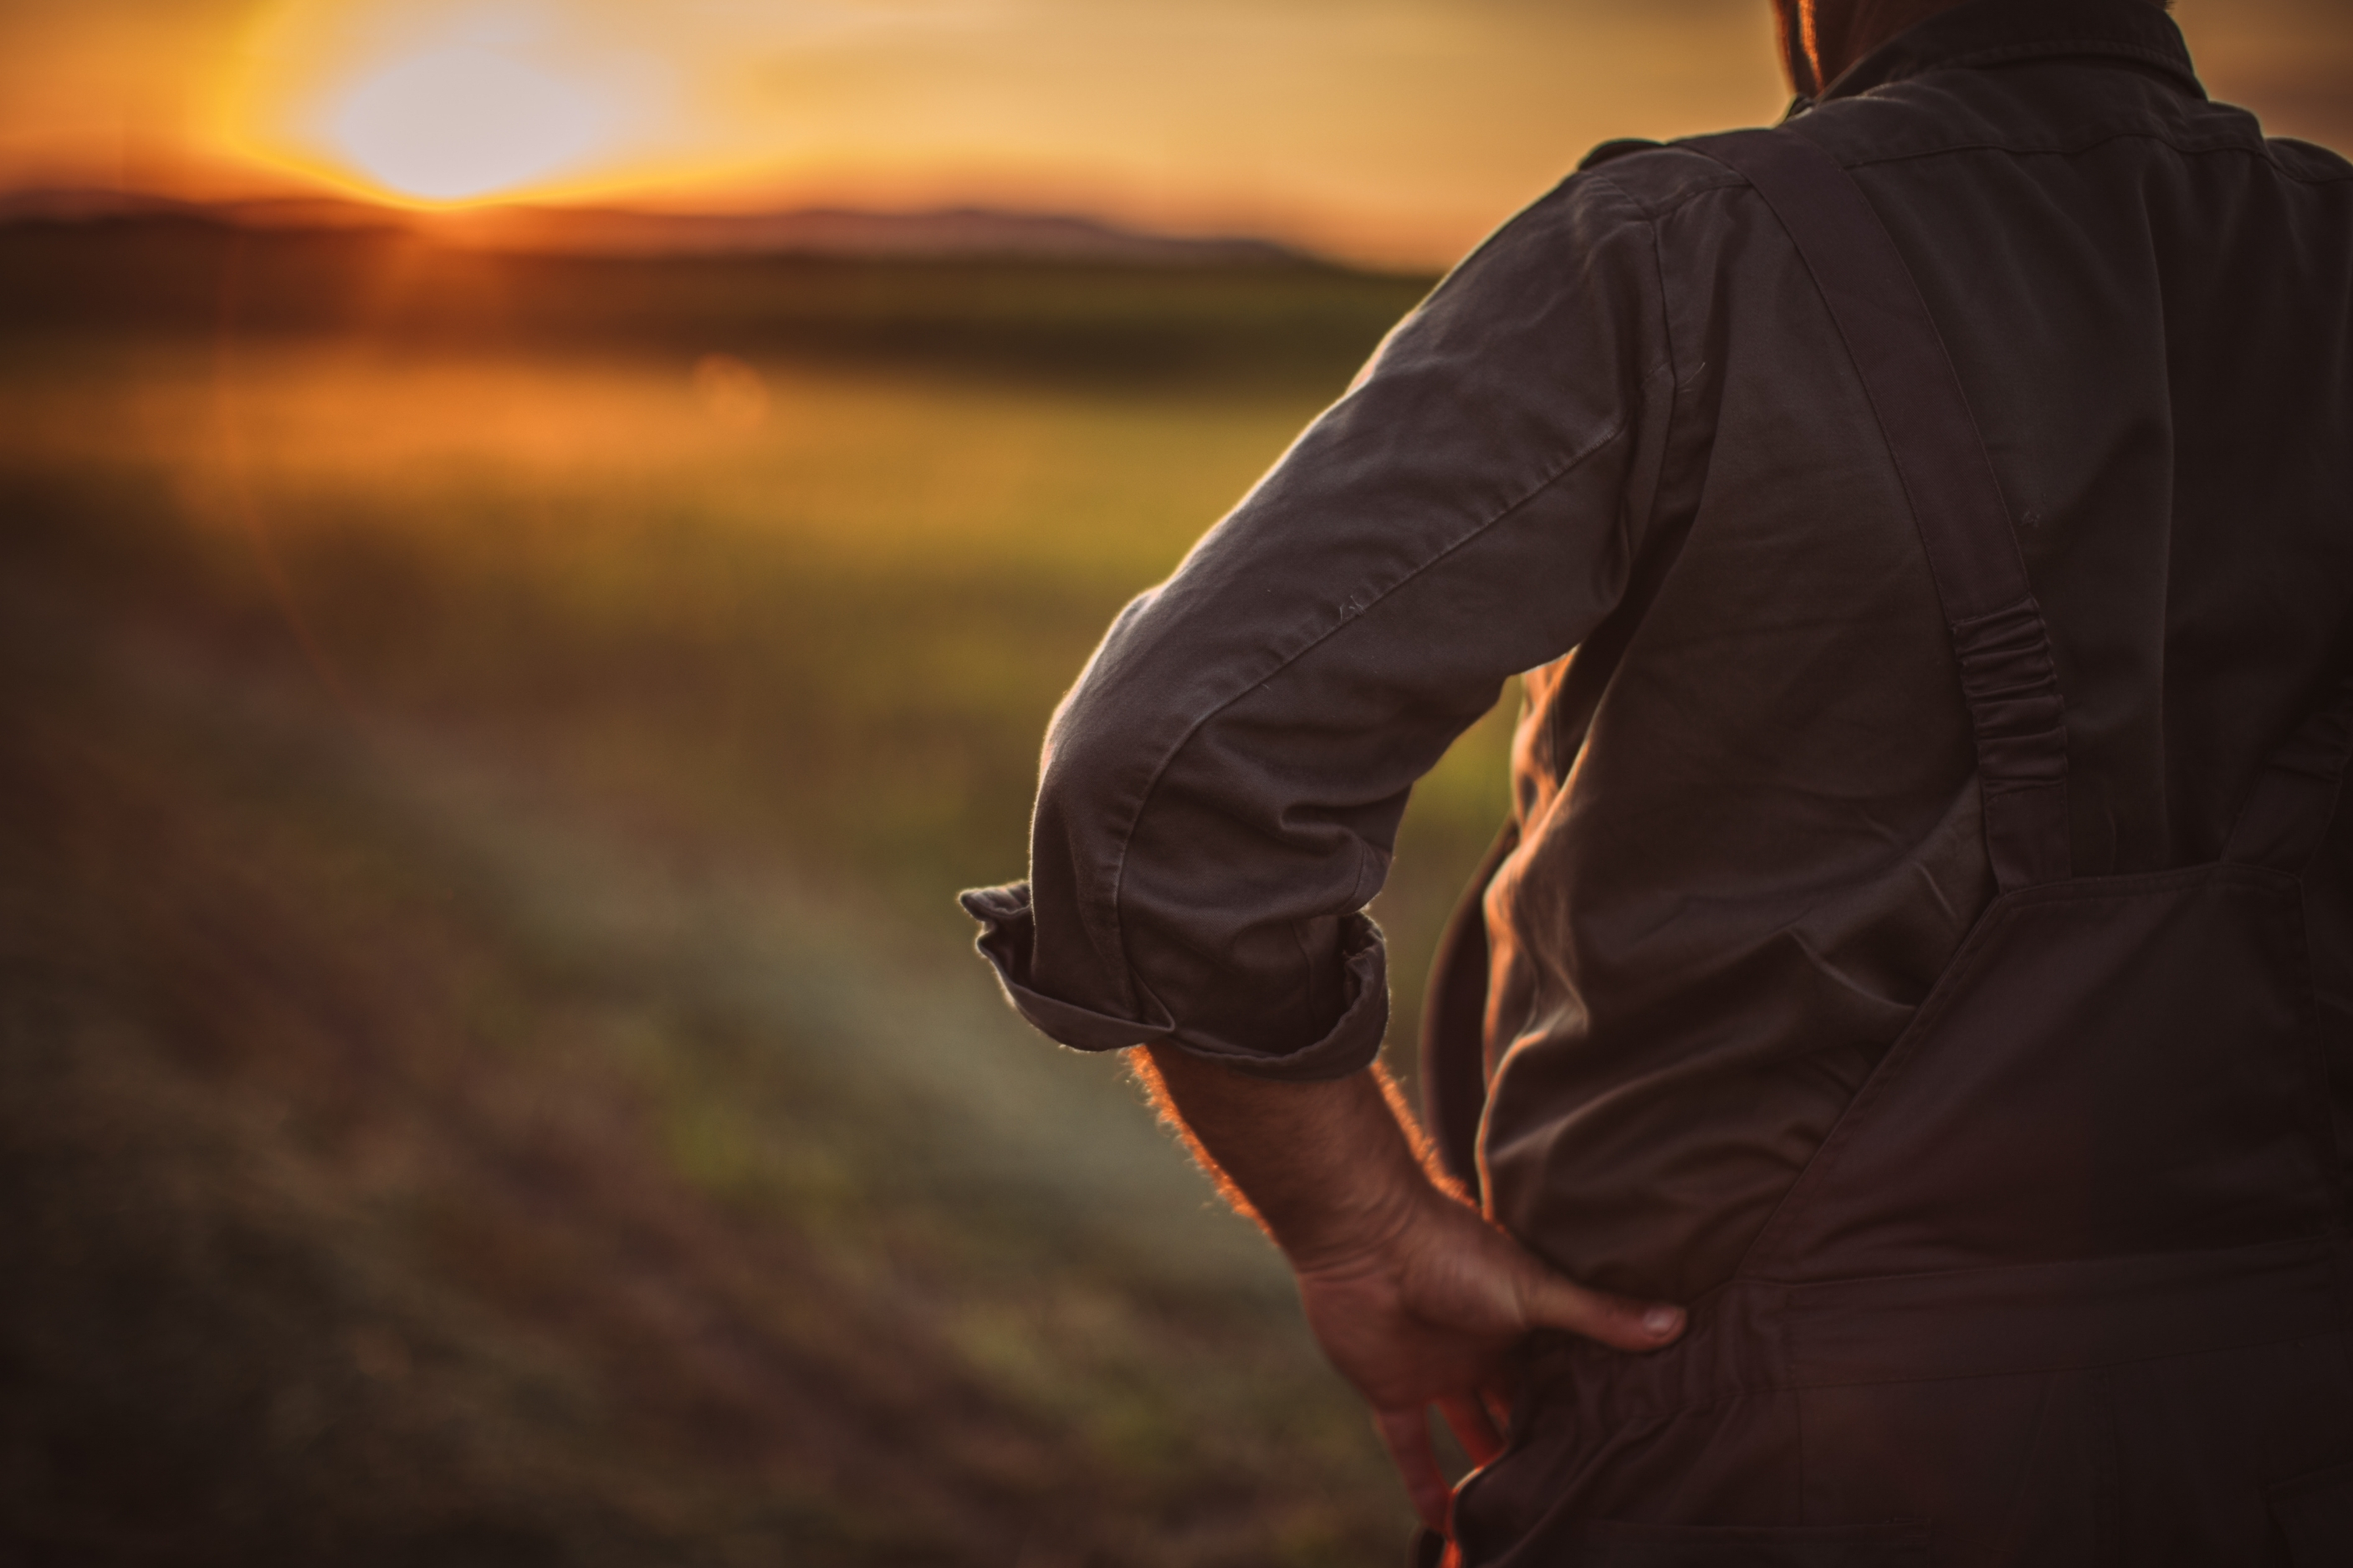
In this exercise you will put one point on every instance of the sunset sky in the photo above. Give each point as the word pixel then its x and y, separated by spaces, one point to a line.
pixel 1385 130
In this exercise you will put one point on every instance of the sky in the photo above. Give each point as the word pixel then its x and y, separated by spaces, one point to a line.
pixel 1387 130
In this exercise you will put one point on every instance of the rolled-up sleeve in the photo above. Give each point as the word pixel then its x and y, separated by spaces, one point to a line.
pixel 1220 792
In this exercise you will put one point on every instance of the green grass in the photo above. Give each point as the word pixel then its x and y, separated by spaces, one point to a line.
pixel 498 1069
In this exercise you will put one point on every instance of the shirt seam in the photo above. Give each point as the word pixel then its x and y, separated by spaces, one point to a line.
pixel 1659 278
pixel 1680 199
pixel 2187 147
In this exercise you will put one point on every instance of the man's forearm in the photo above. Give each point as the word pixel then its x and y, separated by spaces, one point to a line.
pixel 1327 1168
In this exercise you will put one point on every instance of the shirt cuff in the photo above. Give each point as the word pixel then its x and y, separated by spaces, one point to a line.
pixel 1009 940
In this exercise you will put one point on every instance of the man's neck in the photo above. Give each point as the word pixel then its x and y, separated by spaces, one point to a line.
pixel 1835 34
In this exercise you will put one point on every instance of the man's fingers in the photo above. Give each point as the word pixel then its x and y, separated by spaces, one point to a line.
pixel 1473 1427
pixel 1550 1301
pixel 1407 1433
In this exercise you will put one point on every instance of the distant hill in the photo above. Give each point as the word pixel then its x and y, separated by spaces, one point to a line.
pixel 951 233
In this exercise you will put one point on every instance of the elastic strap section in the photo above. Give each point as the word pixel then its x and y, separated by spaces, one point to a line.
pixel 2008 677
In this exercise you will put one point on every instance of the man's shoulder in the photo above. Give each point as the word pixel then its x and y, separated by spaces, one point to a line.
pixel 1598 228
pixel 1651 178
pixel 2307 161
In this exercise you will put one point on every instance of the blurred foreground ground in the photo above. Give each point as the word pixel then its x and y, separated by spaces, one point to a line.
pixel 489 1069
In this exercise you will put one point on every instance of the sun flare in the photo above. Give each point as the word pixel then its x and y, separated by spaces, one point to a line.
pixel 466 121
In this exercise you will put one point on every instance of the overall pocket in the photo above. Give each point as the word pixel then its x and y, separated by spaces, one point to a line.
pixel 1689 1546
pixel 2315 1513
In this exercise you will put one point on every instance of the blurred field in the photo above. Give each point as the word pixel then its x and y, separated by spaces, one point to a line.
pixel 494 1071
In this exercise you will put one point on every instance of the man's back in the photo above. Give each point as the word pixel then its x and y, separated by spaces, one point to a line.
pixel 2084 1226
pixel 1768 847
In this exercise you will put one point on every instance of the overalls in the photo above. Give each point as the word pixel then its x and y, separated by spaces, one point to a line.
pixel 2070 1282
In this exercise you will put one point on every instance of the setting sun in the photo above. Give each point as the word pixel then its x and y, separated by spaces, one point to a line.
pixel 446 103
pixel 466 121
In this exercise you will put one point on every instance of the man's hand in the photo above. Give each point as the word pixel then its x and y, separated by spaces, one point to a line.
pixel 1416 1297
pixel 1426 1316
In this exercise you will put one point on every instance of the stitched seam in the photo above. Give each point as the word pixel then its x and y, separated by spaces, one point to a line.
pixel 1680 199
pixel 2187 147
pixel 2045 1368
pixel 2091 888
pixel 2323 1238
pixel 1666 326
pixel 1626 200
pixel 1656 1414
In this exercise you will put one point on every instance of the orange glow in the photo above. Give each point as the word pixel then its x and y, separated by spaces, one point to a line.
pixel 1392 131
pixel 1397 132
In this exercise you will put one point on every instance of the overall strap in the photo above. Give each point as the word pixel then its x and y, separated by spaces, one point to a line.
pixel 2286 818
pixel 2008 679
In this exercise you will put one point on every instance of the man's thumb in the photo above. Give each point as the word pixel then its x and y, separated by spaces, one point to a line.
pixel 1620 1321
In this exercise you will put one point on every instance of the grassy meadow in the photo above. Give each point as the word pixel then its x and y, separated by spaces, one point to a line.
pixel 494 1071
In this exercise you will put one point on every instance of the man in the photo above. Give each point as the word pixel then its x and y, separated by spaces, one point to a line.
pixel 1924 974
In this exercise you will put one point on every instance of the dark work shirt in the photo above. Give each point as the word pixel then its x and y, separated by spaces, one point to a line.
pixel 1622 447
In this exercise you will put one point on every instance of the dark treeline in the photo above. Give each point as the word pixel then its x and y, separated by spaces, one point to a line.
pixel 1275 323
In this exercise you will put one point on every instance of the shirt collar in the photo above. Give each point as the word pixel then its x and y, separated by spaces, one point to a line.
pixel 1996 32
